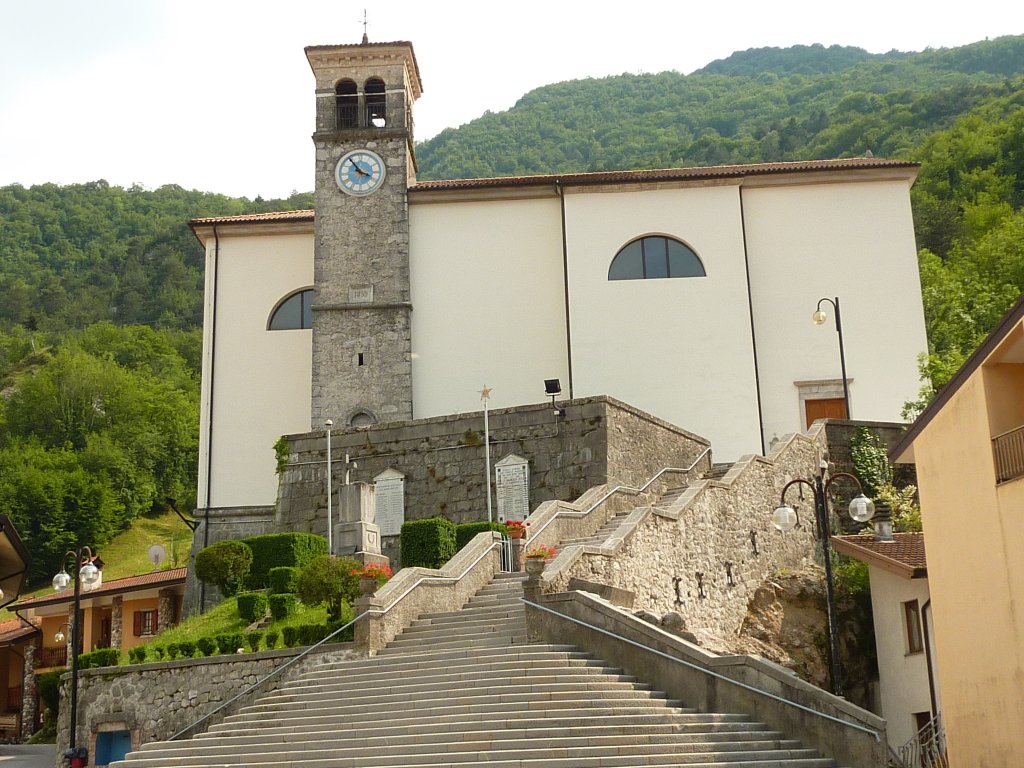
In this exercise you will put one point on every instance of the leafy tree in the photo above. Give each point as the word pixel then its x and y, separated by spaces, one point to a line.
pixel 333 581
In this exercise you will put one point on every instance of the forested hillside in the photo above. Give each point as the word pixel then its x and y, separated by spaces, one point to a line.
pixel 100 357
pixel 805 102
pixel 101 287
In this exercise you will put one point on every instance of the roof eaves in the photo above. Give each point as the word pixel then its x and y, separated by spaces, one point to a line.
pixel 952 386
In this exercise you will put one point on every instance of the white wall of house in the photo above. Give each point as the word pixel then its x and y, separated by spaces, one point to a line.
pixel 260 379
pixel 903 676
pixel 488 303
pixel 851 240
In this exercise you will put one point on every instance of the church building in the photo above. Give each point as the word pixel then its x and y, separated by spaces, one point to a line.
pixel 685 292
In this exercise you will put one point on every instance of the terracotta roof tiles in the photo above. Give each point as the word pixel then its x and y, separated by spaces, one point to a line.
pixel 115 586
pixel 904 555
pixel 14 630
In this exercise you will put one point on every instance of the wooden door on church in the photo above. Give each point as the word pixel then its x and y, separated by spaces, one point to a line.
pixel 829 408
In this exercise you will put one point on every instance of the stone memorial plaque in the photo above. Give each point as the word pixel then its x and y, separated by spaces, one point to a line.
pixel 390 493
pixel 360 294
pixel 512 477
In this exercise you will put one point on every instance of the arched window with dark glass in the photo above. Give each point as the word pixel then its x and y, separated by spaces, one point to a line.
pixel 346 100
pixel 376 103
pixel 292 312
pixel 655 256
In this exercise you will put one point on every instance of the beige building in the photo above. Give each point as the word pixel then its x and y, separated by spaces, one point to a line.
pixel 902 614
pixel 968 447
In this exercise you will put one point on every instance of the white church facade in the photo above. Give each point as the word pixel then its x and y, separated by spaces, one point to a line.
pixel 687 293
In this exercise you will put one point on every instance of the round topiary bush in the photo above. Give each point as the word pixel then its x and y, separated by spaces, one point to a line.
pixel 225 564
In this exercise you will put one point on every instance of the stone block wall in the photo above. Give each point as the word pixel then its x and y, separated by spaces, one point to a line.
pixel 695 555
pixel 598 439
pixel 220 524
pixel 155 701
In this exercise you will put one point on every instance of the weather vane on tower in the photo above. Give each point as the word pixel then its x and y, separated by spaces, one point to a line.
pixel 366 39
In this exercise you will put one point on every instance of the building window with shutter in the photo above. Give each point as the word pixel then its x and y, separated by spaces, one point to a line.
pixel 145 623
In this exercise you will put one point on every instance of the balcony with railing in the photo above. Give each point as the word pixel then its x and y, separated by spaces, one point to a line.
pixel 54 657
pixel 927 749
pixel 1008 454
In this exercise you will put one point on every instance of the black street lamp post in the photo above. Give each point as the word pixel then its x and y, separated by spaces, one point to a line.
pixel 819 318
pixel 785 519
pixel 86 574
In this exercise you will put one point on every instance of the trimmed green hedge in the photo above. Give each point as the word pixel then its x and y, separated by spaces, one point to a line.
pixel 226 564
pixel 230 642
pixel 283 578
pixel 282 606
pixel 137 655
pixel 274 550
pixel 464 532
pixel 428 543
pixel 48 685
pixel 101 657
pixel 252 606
pixel 207 646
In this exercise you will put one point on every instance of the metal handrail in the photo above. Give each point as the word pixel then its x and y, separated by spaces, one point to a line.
pixel 927 747
pixel 619 488
pixel 310 649
pixel 262 680
pixel 423 579
pixel 706 671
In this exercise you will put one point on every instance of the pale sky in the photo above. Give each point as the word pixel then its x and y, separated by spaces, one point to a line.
pixel 217 95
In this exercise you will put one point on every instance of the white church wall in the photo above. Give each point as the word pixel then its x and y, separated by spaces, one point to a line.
pixel 851 240
pixel 679 347
pixel 261 379
pixel 488 303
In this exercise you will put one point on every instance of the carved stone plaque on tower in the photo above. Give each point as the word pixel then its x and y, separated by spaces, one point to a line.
pixel 390 485
pixel 512 477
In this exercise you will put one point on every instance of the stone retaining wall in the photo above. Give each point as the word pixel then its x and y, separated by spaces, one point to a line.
pixel 154 701
pixel 696 556
pixel 598 440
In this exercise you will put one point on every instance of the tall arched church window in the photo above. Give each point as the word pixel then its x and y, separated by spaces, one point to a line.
pixel 655 256
pixel 346 100
pixel 376 103
pixel 293 311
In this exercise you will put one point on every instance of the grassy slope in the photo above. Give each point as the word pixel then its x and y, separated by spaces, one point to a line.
pixel 127 554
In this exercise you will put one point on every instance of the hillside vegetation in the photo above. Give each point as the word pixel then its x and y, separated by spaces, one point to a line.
pixel 102 286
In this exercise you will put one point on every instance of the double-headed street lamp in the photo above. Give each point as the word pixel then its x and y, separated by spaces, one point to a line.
pixel 87 575
pixel 785 518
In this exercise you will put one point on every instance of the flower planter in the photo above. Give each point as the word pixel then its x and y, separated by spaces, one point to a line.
pixel 517 533
pixel 367 585
pixel 535 566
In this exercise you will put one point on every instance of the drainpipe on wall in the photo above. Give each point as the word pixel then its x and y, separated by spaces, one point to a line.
pixel 209 410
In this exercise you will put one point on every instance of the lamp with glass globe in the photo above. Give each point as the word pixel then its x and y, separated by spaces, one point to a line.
pixel 819 317
pixel 785 518
pixel 87 576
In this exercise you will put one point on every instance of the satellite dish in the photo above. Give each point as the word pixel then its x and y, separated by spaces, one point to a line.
pixel 157 554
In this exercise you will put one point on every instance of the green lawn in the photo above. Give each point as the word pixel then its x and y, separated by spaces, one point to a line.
pixel 127 554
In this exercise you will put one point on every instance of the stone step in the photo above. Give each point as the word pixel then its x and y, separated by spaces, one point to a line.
pixel 481 700
pixel 462 689
pixel 498 641
pixel 463 681
pixel 509 738
pixel 505 691
pixel 432 659
pixel 525 749
pixel 564 758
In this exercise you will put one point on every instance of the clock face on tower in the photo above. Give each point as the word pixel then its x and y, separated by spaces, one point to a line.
pixel 360 172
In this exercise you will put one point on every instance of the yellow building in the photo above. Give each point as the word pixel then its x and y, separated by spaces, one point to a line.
pixel 968 446
pixel 120 613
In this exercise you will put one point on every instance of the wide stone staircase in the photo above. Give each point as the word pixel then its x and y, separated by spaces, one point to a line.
pixel 464 689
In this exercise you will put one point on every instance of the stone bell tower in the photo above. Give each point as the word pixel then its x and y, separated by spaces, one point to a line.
pixel 362 342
